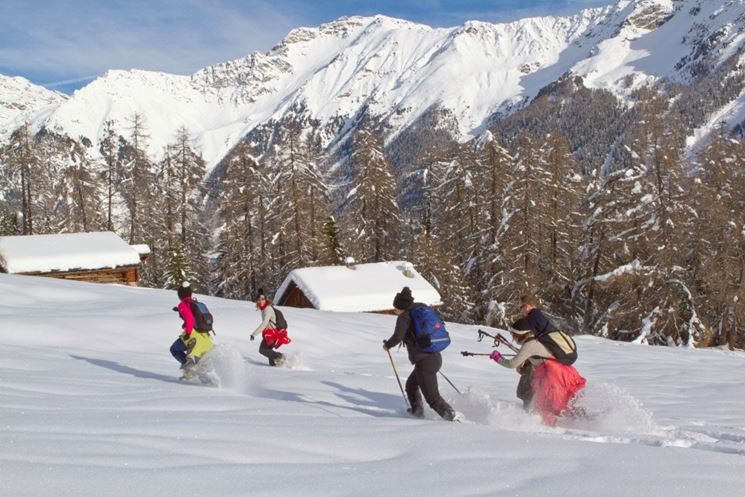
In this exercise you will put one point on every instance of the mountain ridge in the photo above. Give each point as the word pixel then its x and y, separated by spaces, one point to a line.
pixel 398 71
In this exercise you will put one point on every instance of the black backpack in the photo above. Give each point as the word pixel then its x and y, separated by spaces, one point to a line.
pixel 561 346
pixel 281 322
pixel 203 320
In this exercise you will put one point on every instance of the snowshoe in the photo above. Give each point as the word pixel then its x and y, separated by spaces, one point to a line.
pixel 458 417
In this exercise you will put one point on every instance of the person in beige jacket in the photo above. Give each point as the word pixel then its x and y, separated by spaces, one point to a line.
pixel 545 385
pixel 268 322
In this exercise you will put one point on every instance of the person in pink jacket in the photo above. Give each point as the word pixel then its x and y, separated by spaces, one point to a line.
pixel 191 345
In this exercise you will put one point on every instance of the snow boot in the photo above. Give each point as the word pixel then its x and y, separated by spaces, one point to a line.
pixel 417 412
pixel 189 368
pixel 451 414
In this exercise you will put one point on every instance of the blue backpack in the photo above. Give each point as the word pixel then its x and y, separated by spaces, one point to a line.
pixel 429 329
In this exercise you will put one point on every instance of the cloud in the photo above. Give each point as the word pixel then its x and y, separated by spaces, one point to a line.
pixel 70 82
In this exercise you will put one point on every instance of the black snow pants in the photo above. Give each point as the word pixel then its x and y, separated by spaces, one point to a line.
pixel 424 378
pixel 524 390
pixel 269 353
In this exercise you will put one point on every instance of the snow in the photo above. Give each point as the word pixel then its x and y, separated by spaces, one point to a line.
pixel 631 268
pixel 90 406
pixel 21 100
pixel 66 252
pixel 141 248
pixel 361 287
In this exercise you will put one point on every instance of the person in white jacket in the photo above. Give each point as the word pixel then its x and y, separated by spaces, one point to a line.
pixel 268 322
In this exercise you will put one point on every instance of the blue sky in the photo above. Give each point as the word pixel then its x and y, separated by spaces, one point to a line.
pixel 64 44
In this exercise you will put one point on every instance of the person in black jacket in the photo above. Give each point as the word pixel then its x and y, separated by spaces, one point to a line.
pixel 426 365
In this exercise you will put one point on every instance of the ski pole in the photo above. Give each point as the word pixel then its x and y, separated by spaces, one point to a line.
pixel 398 379
pixel 465 353
pixel 451 383
pixel 498 338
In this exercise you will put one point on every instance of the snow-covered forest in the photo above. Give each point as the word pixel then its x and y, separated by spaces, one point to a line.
pixel 650 251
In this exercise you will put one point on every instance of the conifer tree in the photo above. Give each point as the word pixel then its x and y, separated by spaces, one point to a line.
pixel 720 260
pixel 561 220
pixel 653 302
pixel 333 253
pixel 244 240
pixel 80 188
pixel 178 268
pixel 23 165
pixel 110 152
pixel 371 211
pixel 304 200
pixel 137 184
pixel 9 222
pixel 611 283
pixel 522 230
pixel 448 230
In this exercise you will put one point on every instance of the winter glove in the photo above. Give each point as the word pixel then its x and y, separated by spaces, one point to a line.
pixel 385 346
pixel 253 338
pixel 495 356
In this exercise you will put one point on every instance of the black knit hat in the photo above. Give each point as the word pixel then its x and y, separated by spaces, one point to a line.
pixel 403 300
pixel 184 290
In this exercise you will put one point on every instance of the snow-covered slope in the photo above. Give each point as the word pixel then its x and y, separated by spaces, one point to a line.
pixel 397 71
pixel 20 99
pixel 90 405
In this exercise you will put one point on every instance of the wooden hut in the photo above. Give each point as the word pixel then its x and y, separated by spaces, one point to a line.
pixel 354 288
pixel 100 257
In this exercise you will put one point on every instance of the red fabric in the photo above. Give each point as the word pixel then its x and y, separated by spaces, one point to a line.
pixel 275 338
pixel 184 310
pixel 555 386
pixel 263 305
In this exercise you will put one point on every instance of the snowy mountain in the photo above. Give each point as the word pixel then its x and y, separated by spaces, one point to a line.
pixel 91 405
pixel 22 100
pixel 399 72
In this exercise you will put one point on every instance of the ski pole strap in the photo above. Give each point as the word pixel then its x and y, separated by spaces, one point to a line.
pixel 498 338
pixel 504 341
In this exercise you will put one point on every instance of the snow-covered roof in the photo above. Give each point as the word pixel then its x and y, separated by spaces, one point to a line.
pixel 141 249
pixel 360 288
pixel 65 252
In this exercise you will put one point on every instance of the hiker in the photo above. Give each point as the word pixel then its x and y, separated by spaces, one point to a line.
pixel 272 335
pixel 546 385
pixel 191 345
pixel 426 364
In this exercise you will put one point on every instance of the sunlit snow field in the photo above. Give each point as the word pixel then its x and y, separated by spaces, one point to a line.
pixel 91 405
